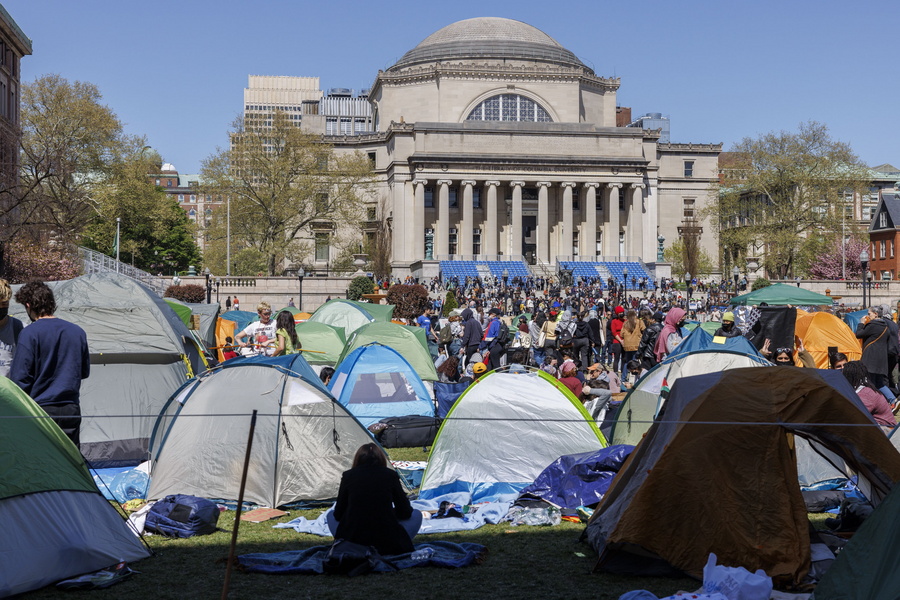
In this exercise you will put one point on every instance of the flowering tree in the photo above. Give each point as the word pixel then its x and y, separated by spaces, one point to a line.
pixel 835 262
pixel 24 263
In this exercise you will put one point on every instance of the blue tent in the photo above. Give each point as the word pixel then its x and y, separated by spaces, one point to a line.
pixel 852 319
pixel 241 318
pixel 702 340
pixel 375 381
pixel 577 480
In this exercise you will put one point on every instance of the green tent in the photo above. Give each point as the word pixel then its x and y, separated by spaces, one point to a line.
pixel 351 315
pixel 409 342
pixel 781 294
pixel 182 310
pixel 42 473
pixel 291 309
pixel 322 338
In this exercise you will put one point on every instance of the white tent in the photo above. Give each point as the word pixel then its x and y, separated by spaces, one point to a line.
pixel 55 522
pixel 304 439
pixel 502 432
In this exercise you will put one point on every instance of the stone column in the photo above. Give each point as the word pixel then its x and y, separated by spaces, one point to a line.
pixel 464 236
pixel 418 234
pixel 636 221
pixel 651 221
pixel 515 246
pixel 589 231
pixel 568 220
pixel 612 228
pixel 490 234
pixel 543 240
pixel 442 226
pixel 401 192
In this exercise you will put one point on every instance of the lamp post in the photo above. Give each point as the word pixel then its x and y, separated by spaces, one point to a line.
pixel 218 282
pixel 736 273
pixel 864 261
pixel 207 273
pixel 300 275
pixel 625 279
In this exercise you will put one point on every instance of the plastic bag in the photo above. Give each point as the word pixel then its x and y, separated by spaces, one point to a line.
pixel 735 583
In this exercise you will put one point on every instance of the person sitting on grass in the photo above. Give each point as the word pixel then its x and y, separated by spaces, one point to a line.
pixel 371 507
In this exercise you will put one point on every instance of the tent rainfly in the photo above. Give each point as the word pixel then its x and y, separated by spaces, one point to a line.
pixel 351 315
pixel 779 294
pixel 410 342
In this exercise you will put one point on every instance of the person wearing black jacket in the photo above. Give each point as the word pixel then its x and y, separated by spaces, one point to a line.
pixel 645 352
pixel 472 333
pixel 371 507
pixel 581 340
pixel 874 334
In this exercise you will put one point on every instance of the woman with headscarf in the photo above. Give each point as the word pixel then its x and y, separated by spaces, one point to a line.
pixel 567 378
pixel 670 336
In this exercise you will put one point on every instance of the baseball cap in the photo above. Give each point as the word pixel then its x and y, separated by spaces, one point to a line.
pixel 619 310
pixel 479 368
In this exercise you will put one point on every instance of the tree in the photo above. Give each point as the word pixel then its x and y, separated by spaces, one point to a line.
pixel 785 189
pixel 359 286
pixel 760 283
pixel 450 303
pixel 676 255
pixel 839 260
pixel 27 261
pixel 280 181
pixel 409 301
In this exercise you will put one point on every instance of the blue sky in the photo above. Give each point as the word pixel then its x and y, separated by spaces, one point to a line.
pixel 721 70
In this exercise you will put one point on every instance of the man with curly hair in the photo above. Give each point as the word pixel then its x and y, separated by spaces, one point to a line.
pixel 51 359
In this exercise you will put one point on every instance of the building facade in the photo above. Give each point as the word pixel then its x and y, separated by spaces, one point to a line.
pixel 884 236
pixel 185 190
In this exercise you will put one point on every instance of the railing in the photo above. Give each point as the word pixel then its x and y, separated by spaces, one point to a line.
pixel 95 262
pixel 493 257
pixel 596 259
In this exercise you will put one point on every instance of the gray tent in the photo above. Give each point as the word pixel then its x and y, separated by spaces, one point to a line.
pixel 141 352
pixel 304 439
pixel 209 314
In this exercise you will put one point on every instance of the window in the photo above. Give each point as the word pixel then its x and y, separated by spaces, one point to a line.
pixel 476 198
pixel 346 126
pixel 429 197
pixel 476 241
pixel 575 244
pixel 576 199
pixel 883 247
pixel 370 213
pixel 193 197
pixel 509 107
pixel 882 220
pixel 157 182
pixel 331 126
pixel 892 248
pixel 886 275
pixel 453 240
pixel 688 168
pixel 868 213
pixel 453 200
pixel 322 246
pixel 689 208
pixel 321 202
pixel 359 126
pixel 168 183
pixel 372 159
pixel 181 197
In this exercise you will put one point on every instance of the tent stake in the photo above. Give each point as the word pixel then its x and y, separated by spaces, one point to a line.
pixel 240 504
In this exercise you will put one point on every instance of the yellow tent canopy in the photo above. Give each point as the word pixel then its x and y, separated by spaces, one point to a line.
pixel 821 330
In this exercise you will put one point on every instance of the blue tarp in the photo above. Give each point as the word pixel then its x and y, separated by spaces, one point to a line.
pixel 702 340
pixel 309 561
pixel 852 319
pixel 579 479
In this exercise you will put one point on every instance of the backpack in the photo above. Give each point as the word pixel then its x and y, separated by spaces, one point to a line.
pixel 445 335
pixel 502 334
pixel 182 516
pixel 566 336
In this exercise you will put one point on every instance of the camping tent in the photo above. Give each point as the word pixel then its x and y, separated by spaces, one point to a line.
pixel 821 330
pixel 55 522
pixel 351 315
pixel 502 432
pixel 410 342
pixel 322 338
pixel 780 294
pixel 304 440
pixel 720 464
pixel 701 339
pixel 645 400
pixel 374 382
pixel 141 352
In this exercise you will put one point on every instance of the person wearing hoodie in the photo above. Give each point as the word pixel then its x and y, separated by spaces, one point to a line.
pixel 874 334
pixel 471 335
pixel 728 328
pixel 670 336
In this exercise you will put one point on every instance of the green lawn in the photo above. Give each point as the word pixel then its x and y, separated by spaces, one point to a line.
pixel 522 562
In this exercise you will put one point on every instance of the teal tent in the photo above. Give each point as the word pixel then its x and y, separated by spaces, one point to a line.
pixel 779 294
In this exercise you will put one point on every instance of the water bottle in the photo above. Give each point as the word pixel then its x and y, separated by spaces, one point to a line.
pixel 422 554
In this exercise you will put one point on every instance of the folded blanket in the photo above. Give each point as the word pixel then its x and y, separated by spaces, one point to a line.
pixel 309 561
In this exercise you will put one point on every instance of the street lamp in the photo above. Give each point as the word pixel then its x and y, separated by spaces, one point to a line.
pixel 625 278
pixel 300 275
pixel 864 261
pixel 736 273
pixel 207 273
pixel 218 282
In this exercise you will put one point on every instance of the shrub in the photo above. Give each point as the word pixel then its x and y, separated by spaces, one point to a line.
pixel 760 284
pixel 409 301
pixel 450 303
pixel 25 262
pixel 190 292
pixel 359 286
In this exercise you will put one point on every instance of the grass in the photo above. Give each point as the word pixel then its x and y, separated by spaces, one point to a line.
pixel 522 562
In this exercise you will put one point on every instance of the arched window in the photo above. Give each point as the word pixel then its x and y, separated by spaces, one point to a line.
pixel 509 107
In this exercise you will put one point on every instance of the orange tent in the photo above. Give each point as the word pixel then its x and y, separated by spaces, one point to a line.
pixel 822 330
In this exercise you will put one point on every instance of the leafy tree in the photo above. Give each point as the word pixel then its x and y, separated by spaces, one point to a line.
pixel 782 191
pixel 359 286
pixel 760 283
pixel 838 260
pixel 281 180
pixel 409 301
pixel 190 292
pixel 676 254
pixel 450 303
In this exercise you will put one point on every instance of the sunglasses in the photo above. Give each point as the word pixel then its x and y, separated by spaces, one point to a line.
pixel 784 350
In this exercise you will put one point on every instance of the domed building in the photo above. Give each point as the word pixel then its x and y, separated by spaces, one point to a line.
pixel 493 140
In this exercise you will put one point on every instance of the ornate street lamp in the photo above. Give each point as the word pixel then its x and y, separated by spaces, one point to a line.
pixel 300 275
pixel 207 273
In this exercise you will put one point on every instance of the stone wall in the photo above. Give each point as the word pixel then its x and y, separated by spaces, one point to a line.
pixel 277 291
pixel 850 292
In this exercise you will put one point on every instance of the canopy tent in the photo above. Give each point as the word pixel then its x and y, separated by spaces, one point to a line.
pixel 141 352
pixel 304 439
pixel 55 522
pixel 645 400
pixel 326 339
pixel 694 462
pixel 820 331
pixel 780 294
pixel 351 315
pixel 502 432
pixel 409 341
pixel 375 382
